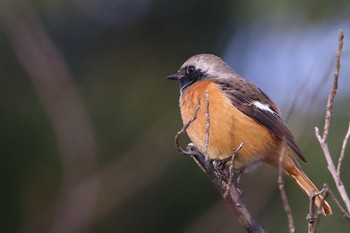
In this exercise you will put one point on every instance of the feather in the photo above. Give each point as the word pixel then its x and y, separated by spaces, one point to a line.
pixel 244 95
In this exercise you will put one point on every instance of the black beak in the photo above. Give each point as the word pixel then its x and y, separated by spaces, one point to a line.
pixel 173 77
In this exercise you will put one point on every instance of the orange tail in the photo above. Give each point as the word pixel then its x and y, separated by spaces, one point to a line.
pixel 306 185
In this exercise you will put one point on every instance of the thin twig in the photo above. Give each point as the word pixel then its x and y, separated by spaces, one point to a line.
pixel 323 140
pixel 183 130
pixel 311 217
pixel 280 183
pixel 334 87
pixel 315 221
pixel 345 214
pixel 231 172
pixel 324 193
pixel 339 184
pixel 207 125
pixel 342 153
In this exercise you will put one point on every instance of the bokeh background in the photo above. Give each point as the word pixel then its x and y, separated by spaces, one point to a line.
pixel 87 119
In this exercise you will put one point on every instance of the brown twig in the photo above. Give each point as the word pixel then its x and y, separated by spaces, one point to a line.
pixel 183 130
pixel 231 172
pixel 339 184
pixel 342 153
pixel 323 140
pixel 345 214
pixel 334 87
pixel 234 199
pixel 314 219
pixel 280 183
pixel 324 193
pixel 207 125
pixel 311 217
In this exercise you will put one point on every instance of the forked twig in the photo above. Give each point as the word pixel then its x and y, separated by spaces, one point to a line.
pixel 324 193
pixel 183 130
pixel 323 140
pixel 280 183
pixel 314 219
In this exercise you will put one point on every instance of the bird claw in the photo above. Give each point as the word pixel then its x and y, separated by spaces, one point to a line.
pixel 220 169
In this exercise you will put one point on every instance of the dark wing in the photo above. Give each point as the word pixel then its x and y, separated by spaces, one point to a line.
pixel 253 102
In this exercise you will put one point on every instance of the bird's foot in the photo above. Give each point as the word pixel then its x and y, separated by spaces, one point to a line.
pixel 220 168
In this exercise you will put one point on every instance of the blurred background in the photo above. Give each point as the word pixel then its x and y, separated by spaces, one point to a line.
pixel 88 120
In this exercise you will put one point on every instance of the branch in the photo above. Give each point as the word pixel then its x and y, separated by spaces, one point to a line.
pixel 183 130
pixel 233 200
pixel 311 217
pixel 314 221
pixel 334 87
pixel 345 214
pixel 207 126
pixel 323 140
pixel 231 172
pixel 324 193
pixel 341 157
pixel 280 183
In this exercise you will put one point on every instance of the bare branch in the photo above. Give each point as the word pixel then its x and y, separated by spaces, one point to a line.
pixel 233 200
pixel 207 126
pixel 183 130
pixel 323 140
pixel 280 183
pixel 231 172
pixel 315 221
pixel 345 214
pixel 324 193
pixel 311 217
pixel 342 153
pixel 334 87
pixel 339 184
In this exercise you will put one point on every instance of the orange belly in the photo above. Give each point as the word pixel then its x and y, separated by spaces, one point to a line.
pixel 229 127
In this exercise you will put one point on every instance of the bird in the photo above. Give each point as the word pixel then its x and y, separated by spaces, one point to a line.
pixel 240 112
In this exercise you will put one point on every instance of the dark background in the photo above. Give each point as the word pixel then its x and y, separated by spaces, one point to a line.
pixel 87 119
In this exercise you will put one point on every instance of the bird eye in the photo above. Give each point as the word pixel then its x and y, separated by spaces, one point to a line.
pixel 190 69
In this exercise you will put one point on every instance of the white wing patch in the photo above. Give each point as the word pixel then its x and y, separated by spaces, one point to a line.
pixel 264 107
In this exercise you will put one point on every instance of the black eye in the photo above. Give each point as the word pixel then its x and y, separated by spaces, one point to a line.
pixel 190 69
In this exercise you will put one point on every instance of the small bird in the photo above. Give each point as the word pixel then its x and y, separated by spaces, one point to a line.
pixel 239 113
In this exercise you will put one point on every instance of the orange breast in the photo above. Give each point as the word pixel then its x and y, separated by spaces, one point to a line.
pixel 229 127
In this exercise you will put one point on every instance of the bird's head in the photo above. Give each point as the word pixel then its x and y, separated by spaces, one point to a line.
pixel 201 67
